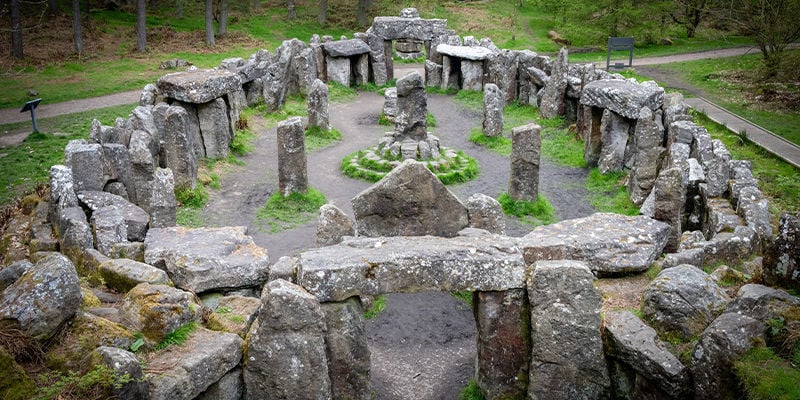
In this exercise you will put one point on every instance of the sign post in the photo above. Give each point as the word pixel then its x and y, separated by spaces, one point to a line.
pixel 620 43
pixel 31 106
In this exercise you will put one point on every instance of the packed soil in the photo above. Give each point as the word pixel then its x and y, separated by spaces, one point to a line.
pixel 423 344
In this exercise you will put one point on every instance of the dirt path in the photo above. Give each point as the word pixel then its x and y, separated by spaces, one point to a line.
pixel 423 345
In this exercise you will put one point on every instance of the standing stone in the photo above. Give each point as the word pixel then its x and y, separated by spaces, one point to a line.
pixel 163 205
pixel 215 128
pixel 433 74
pixel 412 108
pixel 503 323
pixel 614 139
pixel 347 350
pixel 338 70
pixel 669 195
pixel 193 127
pixel 486 213
pixel 333 224
pixel 292 173
pixel 589 122
pixel 390 110
pixel 523 183
pixel 493 103
pixel 552 104
pixel 304 66
pixel 782 259
pixel 86 162
pixel 567 360
pixel 471 74
pixel 142 168
pixel 179 147
pixel 318 106
pixel 149 95
pixel 286 347
pixel 502 70
pixel 648 141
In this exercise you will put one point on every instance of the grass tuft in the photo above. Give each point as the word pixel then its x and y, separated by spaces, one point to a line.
pixel 316 138
pixel 193 198
pixel 540 212
pixel 471 392
pixel 764 375
pixel 608 193
pixel 498 144
pixel 378 305
pixel 177 337
pixel 286 212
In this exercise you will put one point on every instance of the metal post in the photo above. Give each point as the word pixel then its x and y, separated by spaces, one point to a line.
pixel 33 119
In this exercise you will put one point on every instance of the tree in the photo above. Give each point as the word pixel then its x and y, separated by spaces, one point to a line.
pixel 322 17
pixel 178 8
pixel 16 30
pixel 141 27
pixel 210 22
pixel 363 5
pixel 290 8
pixel 771 23
pixel 255 4
pixel 222 23
pixel 76 26
pixel 690 13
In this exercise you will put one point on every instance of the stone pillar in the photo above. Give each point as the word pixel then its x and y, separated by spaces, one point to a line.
pixel 486 213
pixel 504 347
pixel 552 104
pixel 338 70
pixel 526 142
pixel 471 75
pixel 493 103
pixel 649 140
pixel 292 173
pixel 412 108
pixel 387 55
pixel 590 118
pixel 286 346
pixel 433 74
pixel 567 360
pixel 86 162
pixel 669 195
pixel 614 138
pixel 361 74
pixel 318 106
pixel 163 206
pixel 178 149
pixel 347 350
pixel 215 128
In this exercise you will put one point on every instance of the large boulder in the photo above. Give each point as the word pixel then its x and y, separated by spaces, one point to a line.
pixel 345 48
pixel 409 201
pixel 567 359
pixel 683 301
pixel 157 310
pixel 83 334
pixel 782 259
pixel 286 346
pixel 464 52
pixel 124 363
pixel 86 162
pixel 198 86
pixel 203 259
pixel 106 205
pixel 122 274
pixel 631 342
pixel 608 243
pixel 44 297
pixel 623 97
pixel 333 225
pixel 486 213
pixel 373 266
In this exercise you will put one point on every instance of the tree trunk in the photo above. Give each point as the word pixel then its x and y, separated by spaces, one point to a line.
pixel 16 30
pixel 51 7
pixel 292 11
pixel 255 5
pixel 141 27
pixel 222 28
pixel 210 22
pixel 76 26
pixel 322 18
pixel 178 8
pixel 362 12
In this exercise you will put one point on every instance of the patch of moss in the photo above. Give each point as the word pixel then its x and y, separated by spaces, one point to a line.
pixel 540 212
pixel 15 384
pixel 764 375
pixel 285 212
pixel 89 298
pixel 85 333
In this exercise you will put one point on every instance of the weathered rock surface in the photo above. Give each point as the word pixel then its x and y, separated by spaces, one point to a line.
pixel 44 297
pixel 649 143
pixel 156 310
pixel 683 301
pixel 493 102
pixel 345 48
pixel 81 336
pixel 523 181
pixel 761 302
pixel 191 368
pixel 614 140
pixel 234 314
pixel 409 201
pixel 720 345
pixel 318 114
pixel 86 162
pixel 347 351
pixel 286 347
pixel 622 96
pixel 163 205
pixel 465 52
pixel 207 258
pixel 124 363
pixel 373 266
pixel 392 28
pixel 782 259
pixel 229 387
pixel 567 359
pixel 633 343
pixel 292 161
pixel 122 274
pixel 10 273
pixel 608 243
pixel 486 213
pixel 178 149
pixel 333 225
pixel 412 108
pixel 106 205
pixel 198 86
pixel 552 101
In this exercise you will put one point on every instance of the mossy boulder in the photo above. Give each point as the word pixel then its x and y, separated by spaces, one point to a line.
pixel 234 314
pixel 123 274
pixel 15 384
pixel 84 334
pixel 156 310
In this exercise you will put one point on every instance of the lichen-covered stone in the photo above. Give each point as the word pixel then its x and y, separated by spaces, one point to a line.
pixel 486 213
pixel 85 333
pixel 197 86
pixel 202 259
pixel 292 161
pixel 333 225
pixel 523 180
pixel 493 103
pixel 156 310
pixel 124 363
pixel 782 259
pixel 347 350
pixel 622 96
pixel 123 274
pixel 234 314
pixel 608 243
pixel 552 102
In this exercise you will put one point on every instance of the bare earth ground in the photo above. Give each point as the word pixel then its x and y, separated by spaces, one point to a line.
pixel 423 345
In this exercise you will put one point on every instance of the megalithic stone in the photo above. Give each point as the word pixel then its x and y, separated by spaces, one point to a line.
pixel 523 182
pixel 292 172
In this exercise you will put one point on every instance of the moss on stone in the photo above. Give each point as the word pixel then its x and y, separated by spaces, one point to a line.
pixel 84 334
pixel 15 384
pixel 89 298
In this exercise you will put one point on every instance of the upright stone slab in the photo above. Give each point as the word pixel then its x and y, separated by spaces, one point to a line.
pixel 471 75
pixel 669 194
pixel 390 110
pixel 493 103
pixel 163 205
pixel 318 106
pixel 433 74
pixel 286 347
pixel 614 140
pixel 523 181
pixel 347 350
pixel 552 104
pixel 567 360
pixel 215 127
pixel 178 147
pixel 409 201
pixel 333 225
pixel 338 70
pixel 86 162
pixel 503 323
pixel 486 213
pixel 292 172
pixel 412 108
pixel 782 259
pixel 649 144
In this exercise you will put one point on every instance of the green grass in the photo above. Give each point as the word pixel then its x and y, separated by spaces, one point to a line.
pixel 242 143
pixel 98 382
pixel 536 213
pixel 177 337
pixel 471 392
pixel 286 212
pixel 294 106
pixel 608 193
pixel 379 304
pixel 779 181
pixel 463 296
pixel 720 80
pixel 190 217
pixel 317 139
pixel 561 147
pixel 764 375
pixel 338 93
pixel 498 144
pixel 463 169
pixel 194 198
